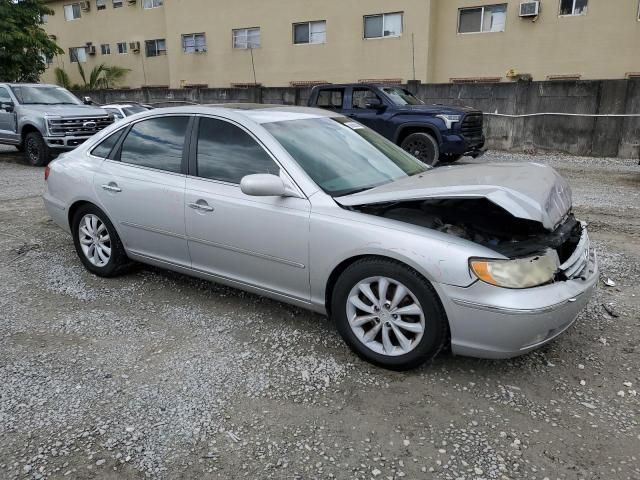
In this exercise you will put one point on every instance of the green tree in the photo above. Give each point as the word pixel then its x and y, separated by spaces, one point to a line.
pixel 23 43
pixel 101 76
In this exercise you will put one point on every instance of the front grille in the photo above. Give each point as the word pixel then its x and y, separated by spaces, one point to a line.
pixel 579 259
pixel 78 126
pixel 471 127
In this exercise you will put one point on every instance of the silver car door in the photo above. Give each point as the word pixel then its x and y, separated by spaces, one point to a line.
pixel 260 241
pixel 141 187
pixel 8 117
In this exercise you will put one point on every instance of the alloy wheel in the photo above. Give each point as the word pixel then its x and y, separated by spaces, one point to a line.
pixel 385 316
pixel 94 240
pixel 33 151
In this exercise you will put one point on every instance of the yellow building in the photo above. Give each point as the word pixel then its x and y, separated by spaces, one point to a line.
pixel 222 43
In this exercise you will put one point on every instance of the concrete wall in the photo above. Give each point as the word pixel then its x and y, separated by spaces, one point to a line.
pixel 576 135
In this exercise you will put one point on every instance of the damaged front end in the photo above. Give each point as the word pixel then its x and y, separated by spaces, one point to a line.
pixel 534 254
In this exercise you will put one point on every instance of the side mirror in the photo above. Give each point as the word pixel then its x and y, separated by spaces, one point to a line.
pixel 87 100
pixel 7 107
pixel 263 185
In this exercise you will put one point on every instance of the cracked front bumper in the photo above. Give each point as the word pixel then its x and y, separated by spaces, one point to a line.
pixel 493 322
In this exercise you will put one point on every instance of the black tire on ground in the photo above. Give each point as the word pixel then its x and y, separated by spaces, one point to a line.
pixel 118 261
pixel 422 146
pixel 436 333
pixel 36 150
pixel 449 158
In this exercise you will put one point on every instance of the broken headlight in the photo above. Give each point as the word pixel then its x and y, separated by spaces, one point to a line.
pixel 517 273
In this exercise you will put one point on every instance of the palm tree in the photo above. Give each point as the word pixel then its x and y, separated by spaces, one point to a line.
pixel 101 76
pixel 62 78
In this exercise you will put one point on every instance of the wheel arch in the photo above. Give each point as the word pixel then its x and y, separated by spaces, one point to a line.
pixel 347 262
pixel 26 129
pixel 407 129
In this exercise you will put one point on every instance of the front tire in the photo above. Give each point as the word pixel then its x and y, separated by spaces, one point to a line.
pixel 36 150
pixel 422 146
pixel 389 314
pixel 97 242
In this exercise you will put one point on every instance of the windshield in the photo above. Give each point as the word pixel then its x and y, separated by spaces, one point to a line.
pixel 133 109
pixel 401 97
pixel 37 95
pixel 342 156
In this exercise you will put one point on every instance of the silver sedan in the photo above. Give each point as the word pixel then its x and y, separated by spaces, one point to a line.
pixel 311 208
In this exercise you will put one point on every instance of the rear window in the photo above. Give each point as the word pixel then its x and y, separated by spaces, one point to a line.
pixel 104 148
pixel 330 98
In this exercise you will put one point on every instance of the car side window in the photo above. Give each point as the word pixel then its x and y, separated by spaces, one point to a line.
pixel 330 98
pixel 362 96
pixel 227 153
pixel 4 96
pixel 156 143
pixel 104 148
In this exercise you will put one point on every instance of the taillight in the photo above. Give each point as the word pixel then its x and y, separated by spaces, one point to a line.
pixel 47 170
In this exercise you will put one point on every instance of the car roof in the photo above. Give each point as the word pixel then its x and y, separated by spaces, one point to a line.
pixel 29 84
pixel 344 85
pixel 258 113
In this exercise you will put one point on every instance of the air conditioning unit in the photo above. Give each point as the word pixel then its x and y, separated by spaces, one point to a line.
pixel 91 50
pixel 530 9
pixel 86 6
pixel 134 46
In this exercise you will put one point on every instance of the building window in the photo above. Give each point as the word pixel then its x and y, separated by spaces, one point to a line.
pixel 71 12
pixel 490 18
pixel 194 43
pixel 155 48
pixel 246 38
pixel 105 49
pixel 152 3
pixel 101 4
pixel 310 32
pixel 44 18
pixel 117 3
pixel 573 7
pixel 122 47
pixel 384 25
pixel 78 54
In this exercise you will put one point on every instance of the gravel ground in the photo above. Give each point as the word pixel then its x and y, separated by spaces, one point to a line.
pixel 158 375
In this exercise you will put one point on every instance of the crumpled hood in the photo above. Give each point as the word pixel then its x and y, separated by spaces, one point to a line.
pixel 64 110
pixel 530 191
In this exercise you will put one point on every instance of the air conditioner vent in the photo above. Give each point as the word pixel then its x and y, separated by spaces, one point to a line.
pixel 530 9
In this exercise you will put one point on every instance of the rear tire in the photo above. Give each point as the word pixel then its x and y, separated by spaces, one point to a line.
pixel 97 242
pixel 36 149
pixel 422 146
pixel 417 315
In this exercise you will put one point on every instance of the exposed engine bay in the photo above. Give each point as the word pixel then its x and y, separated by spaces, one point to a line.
pixel 485 223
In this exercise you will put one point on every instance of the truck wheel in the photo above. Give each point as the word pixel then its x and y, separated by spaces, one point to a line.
pixel 450 158
pixel 422 146
pixel 36 149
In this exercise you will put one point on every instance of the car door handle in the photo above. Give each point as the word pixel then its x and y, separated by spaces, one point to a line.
pixel 203 207
pixel 112 187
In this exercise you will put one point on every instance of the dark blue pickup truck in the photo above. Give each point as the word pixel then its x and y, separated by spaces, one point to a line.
pixel 431 133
